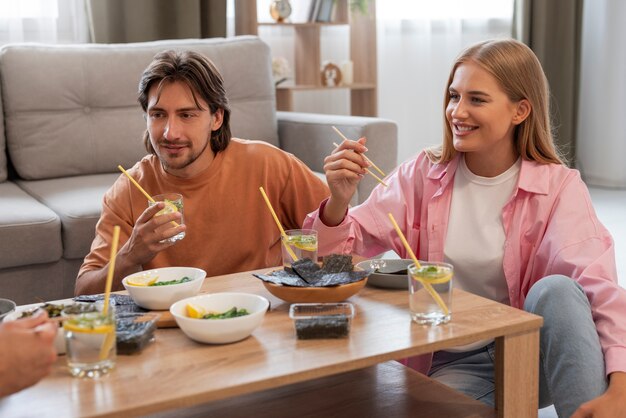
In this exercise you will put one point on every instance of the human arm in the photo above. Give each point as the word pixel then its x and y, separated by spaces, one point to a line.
pixel 145 242
pixel 611 403
pixel 26 353
pixel 366 229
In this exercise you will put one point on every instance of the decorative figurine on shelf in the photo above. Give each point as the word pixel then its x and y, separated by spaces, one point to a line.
pixel 280 70
pixel 331 74
pixel 280 10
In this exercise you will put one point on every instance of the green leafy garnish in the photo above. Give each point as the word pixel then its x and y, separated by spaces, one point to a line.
pixel 167 283
pixel 231 313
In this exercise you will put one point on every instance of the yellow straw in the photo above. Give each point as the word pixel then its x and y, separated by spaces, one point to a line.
pixel 132 180
pixel 109 282
pixel 382 173
pixel 373 175
pixel 107 344
pixel 426 285
pixel 280 227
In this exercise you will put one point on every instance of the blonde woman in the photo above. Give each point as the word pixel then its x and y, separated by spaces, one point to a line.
pixel 495 198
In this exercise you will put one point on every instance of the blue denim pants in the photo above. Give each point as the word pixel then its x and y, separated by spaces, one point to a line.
pixel 571 363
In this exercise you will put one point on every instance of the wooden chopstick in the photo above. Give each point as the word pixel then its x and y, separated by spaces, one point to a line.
pixel 378 179
pixel 382 173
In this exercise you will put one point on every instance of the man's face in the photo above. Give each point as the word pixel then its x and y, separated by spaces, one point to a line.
pixel 180 132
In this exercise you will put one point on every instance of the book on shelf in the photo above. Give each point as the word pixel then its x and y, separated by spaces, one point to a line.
pixel 325 11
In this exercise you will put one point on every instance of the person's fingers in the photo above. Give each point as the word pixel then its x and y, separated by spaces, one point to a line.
pixel 345 164
pixel 149 213
pixel 47 332
pixel 39 317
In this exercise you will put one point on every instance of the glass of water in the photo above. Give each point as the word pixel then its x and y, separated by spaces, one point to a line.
pixel 89 339
pixel 173 203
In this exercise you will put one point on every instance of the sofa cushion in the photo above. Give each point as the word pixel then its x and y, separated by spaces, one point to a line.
pixel 78 203
pixel 3 154
pixel 70 109
pixel 31 233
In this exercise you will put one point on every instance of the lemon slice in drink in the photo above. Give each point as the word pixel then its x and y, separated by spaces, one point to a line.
pixel 304 242
pixel 169 208
pixel 76 327
pixel 142 280
pixel 195 311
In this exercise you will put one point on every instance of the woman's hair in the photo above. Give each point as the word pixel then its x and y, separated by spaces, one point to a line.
pixel 518 72
pixel 203 79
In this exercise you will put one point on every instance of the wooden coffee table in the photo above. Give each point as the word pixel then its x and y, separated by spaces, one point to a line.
pixel 174 374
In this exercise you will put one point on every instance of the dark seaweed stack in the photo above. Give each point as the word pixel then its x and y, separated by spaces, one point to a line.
pixel 337 263
pixel 337 269
pixel 330 326
pixel 132 332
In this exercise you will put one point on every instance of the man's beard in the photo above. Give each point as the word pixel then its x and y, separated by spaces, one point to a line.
pixel 179 165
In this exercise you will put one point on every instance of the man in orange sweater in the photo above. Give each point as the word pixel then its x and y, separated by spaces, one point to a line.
pixel 227 226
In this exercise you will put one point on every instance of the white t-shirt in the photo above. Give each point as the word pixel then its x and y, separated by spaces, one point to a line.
pixel 475 238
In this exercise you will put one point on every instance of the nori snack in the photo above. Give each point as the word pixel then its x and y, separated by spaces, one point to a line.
pixel 330 326
pixel 337 269
pixel 307 269
pixel 132 333
pixel 282 277
pixel 337 263
pixel 123 303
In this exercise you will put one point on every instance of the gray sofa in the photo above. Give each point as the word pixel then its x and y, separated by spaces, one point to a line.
pixel 71 116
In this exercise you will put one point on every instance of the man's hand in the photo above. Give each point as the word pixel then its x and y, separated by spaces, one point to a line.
pixel 26 353
pixel 149 233
pixel 344 169
pixel 611 404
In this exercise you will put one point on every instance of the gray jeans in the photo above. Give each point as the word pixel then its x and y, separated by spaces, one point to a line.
pixel 571 367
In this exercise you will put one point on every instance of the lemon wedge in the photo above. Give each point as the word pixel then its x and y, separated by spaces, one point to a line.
pixel 169 208
pixel 195 311
pixel 142 280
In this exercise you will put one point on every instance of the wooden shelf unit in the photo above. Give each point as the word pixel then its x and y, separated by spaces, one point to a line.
pixel 307 66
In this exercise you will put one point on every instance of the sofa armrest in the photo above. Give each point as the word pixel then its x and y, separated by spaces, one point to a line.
pixel 310 137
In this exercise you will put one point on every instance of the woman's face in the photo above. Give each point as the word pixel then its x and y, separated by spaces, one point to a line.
pixel 481 116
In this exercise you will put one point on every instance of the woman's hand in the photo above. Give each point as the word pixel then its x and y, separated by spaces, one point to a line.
pixel 610 404
pixel 344 168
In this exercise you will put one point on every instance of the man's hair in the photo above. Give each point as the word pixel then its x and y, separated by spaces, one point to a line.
pixel 203 79
pixel 518 72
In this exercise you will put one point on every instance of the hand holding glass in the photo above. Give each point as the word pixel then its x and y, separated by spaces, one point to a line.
pixel 173 203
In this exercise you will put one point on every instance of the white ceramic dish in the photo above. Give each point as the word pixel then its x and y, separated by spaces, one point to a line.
pixel 6 307
pixel 160 298
pixel 382 277
pixel 221 331
pixel 59 341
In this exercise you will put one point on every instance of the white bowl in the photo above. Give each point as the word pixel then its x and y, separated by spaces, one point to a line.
pixel 59 339
pixel 221 331
pixel 160 298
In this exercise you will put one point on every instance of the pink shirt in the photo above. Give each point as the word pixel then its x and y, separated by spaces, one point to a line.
pixel 549 224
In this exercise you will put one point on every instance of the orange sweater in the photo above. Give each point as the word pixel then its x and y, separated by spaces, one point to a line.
pixel 229 227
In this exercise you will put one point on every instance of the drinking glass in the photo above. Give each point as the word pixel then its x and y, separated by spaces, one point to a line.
pixel 89 339
pixel 303 244
pixel 430 292
pixel 173 203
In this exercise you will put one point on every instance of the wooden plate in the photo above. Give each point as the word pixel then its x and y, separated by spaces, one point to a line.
pixel 295 294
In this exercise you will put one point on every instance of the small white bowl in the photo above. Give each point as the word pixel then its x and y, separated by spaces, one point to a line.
pixel 160 298
pixel 59 339
pixel 221 331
